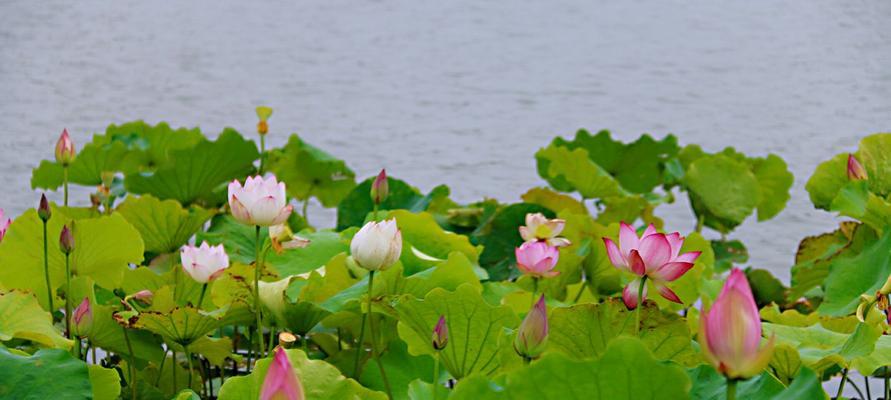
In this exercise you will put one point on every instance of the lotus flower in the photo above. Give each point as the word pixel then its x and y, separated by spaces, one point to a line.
pixel 856 172
pixel 377 245
pixel 540 228
pixel 204 263
pixel 82 318
pixel 380 188
pixel 283 238
pixel 653 255
pixel 260 202
pixel 532 335
pixel 4 225
pixel 537 259
pixel 730 332
pixel 65 149
pixel 281 381
pixel 440 334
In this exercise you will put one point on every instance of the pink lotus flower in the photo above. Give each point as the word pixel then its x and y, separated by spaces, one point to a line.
pixel 377 246
pixel 532 335
pixel 65 149
pixel 856 172
pixel 540 228
pixel 260 202
pixel 537 259
pixel 4 225
pixel 653 255
pixel 204 263
pixel 440 334
pixel 82 318
pixel 281 381
pixel 730 332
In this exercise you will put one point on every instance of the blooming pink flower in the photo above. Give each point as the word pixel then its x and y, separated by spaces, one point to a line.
pixel 730 332
pixel 537 259
pixel 260 202
pixel 532 335
pixel 65 148
pixel 856 172
pixel 204 263
pixel 653 255
pixel 4 225
pixel 281 381
pixel 540 228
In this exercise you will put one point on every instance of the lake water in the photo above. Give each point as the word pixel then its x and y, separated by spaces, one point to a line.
pixel 458 92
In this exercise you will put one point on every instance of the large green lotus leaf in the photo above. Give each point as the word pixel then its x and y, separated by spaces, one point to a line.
pixel 708 384
pixel 449 275
pixel 827 180
pixel 785 363
pixel 216 350
pixel 552 200
pixel 569 170
pixel 104 247
pixel 402 368
pixel 850 277
pixel 766 288
pixel 722 190
pixel 729 253
pixel 421 233
pixel 476 329
pixel 774 181
pixel 107 334
pixel 873 154
pixel 856 201
pixel 21 317
pixel 336 278
pixel 295 316
pixel 163 225
pixel 585 330
pixel 499 235
pixel 307 171
pixel 816 253
pixel 320 381
pixel 182 325
pixel 48 374
pixel 821 348
pixel 355 207
pixel 638 166
pixel 627 370
pixel 624 209
pixel 150 146
pixel 199 174
pixel 106 382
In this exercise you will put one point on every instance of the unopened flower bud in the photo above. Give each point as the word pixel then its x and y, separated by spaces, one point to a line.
pixel 82 318
pixel 380 188
pixel 281 380
pixel 856 172
pixel 66 240
pixel 440 334
pixel 43 211
pixel 283 238
pixel 532 335
pixel 143 297
pixel 65 149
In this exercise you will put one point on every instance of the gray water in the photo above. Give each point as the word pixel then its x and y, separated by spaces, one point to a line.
pixel 458 92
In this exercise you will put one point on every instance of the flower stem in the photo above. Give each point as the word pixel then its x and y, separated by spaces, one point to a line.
pixel 640 302
pixel 65 183
pixel 435 373
pixel 887 384
pixel 868 391
pixel 731 389
pixel 262 153
pixel 68 298
pixel 374 354
pixel 360 347
pixel 49 287
pixel 173 368
pixel 189 361
pixel 581 292
pixel 259 267
pixel 534 290
pixel 201 298
pixel 132 366
pixel 841 386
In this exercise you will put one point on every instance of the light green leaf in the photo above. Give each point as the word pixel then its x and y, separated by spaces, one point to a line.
pixel 821 348
pixel 308 171
pixel 709 385
pixel 554 201
pixel 47 374
pixel 21 317
pixel 106 382
pixel 827 179
pixel 163 225
pixel 873 154
pixel 852 276
pixel 107 334
pixel 402 368
pixel 774 181
pixel 421 232
pixel 722 190
pixel 356 206
pixel 571 170
pixel 182 325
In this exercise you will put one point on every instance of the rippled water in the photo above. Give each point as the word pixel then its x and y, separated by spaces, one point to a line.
pixel 458 92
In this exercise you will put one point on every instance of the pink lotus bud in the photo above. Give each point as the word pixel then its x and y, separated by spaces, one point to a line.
pixel 730 332
pixel 83 318
pixel 377 246
pixel 4 225
pixel 281 381
pixel 540 228
pixel 440 334
pixel 261 202
pixel 204 263
pixel 856 172
pixel 65 149
pixel 144 297
pixel 537 259
pixel 43 211
pixel 380 188
pixel 532 336
pixel 66 240
pixel 654 255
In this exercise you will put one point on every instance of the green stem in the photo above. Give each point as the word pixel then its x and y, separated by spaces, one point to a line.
pixel 374 213
pixel 374 354
pixel 700 222
pixel 132 366
pixel 49 287
pixel 68 297
pixel 173 369
pixel 201 298
pixel 250 333
pixel 77 345
pixel 189 361
pixel 731 389
pixel 887 384
pixel 161 368
pixel 857 388
pixel 841 386
pixel 262 152
pixel 259 267
pixel 580 293
pixel 534 290
pixel 270 345
pixel 65 183
pixel 360 347
pixel 93 351
pixel 868 391
pixel 640 302
pixel 435 373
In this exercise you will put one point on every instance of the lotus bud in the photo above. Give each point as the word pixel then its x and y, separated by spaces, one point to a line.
pixel 730 332
pixel 380 188
pixel 281 381
pixel 66 240
pixel 83 318
pixel 4 225
pixel 377 245
pixel 287 339
pixel 440 334
pixel 540 228
pixel 143 297
pixel 204 263
pixel 260 201
pixel 283 239
pixel 65 149
pixel 537 259
pixel 263 113
pixel 856 172
pixel 532 336
pixel 43 211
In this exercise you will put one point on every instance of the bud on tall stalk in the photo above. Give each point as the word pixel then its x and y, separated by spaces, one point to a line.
pixel 377 245
pixel 532 336
pixel 43 210
pixel 380 188
pixel 281 381
pixel 856 172
pixel 66 240
pixel 82 320
pixel 65 152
